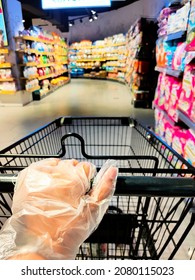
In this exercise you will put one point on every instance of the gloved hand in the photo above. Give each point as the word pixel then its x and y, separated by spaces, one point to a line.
pixel 54 210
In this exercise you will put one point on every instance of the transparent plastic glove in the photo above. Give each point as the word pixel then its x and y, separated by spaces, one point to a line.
pixel 54 210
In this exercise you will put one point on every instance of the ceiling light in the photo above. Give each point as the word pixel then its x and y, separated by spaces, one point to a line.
pixel 95 16
pixel 93 12
pixel 90 19
pixel 71 23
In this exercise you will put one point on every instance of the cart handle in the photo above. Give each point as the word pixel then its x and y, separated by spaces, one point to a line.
pixel 82 141
pixel 134 185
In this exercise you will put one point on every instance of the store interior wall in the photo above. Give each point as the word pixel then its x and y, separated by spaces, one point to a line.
pixel 45 24
pixel 114 22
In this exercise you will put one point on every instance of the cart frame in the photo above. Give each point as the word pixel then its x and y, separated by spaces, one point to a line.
pixel 152 178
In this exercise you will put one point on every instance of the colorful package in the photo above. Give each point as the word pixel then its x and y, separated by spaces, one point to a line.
pixel 158 116
pixel 175 88
pixel 191 28
pixel 179 140
pixel 170 51
pixel 161 58
pixel 159 98
pixel 189 149
pixel 178 21
pixel 178 62
pixel 170 130
pixel 187 98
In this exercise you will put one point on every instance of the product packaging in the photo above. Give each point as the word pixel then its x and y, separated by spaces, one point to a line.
pixel 187 98
pixel 189 149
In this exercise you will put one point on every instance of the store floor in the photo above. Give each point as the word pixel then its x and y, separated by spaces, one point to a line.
pixel 78 98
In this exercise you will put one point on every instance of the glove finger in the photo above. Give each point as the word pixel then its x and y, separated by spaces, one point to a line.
pixel 106 186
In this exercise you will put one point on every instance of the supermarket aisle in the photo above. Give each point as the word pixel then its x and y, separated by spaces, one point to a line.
pixel 78 98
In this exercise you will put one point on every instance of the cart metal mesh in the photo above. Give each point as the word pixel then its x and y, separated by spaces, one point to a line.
pixel 155 187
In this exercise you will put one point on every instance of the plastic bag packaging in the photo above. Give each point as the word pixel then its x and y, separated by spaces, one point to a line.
pixel 54 209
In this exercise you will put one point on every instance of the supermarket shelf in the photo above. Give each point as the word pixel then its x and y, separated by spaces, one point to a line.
pixel 7 91
pixel 40 78
pixel 5 65
pixel 186 120
pixel 29 64
pixel 60 85
pixel 176 35
pixel 36 52
pixel 45 65
pixel 2 51
pixel 41 40
pixel 168 71
pixel 7 80
pixel 111 58
pixel 33 89
pixel 30 77
pixel 91 59
pixel 100 46
pixel 38 96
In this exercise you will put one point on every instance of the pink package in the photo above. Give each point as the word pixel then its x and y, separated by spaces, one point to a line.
pixel 159 98
pixel 179 140
pixel 178 62
pixel 189 149
pixel 176 88
pixel 159 127
pixel 169 132
pixel 187 97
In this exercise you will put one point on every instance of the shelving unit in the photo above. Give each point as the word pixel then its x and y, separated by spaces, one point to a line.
pixel 7 81
pixel 41 60
pixel 172 103
pixel 139 75
pixel 103 59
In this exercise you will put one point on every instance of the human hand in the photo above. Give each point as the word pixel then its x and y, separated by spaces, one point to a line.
pixel 54 210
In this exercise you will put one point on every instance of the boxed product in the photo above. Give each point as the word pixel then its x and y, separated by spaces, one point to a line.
pixel 159 122
pixel 159 98
pixel 161 56
pixel 174 88
pixel 178 62
pixel 178 21
pixel 179 140
pixel 189 149
pixel 170 130
pixel 187 98
pixel 169 51
pixel 191 28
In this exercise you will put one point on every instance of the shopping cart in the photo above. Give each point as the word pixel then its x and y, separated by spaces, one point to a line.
pixel 152 210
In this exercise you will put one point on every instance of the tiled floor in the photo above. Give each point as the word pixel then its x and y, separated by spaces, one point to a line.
pixel 78 98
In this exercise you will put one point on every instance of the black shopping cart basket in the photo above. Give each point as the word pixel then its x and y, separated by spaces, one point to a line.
pixel 151 212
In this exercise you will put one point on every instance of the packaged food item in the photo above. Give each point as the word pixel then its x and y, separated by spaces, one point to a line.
pixel 178 62
pixel 189 148
pixel 179 140
pixel 174 91
pixel 186 101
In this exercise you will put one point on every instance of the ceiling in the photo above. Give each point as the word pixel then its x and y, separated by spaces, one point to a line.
pixel 59 17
